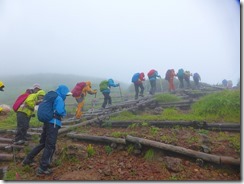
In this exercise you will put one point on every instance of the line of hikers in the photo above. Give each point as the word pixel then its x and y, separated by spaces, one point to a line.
pixel 182 75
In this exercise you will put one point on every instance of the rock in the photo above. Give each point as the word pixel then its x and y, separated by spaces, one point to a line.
pixel 205 149
pixel 5 109
pixel 173 164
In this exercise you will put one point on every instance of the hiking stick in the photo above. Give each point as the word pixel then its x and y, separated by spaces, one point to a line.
pixel 120 93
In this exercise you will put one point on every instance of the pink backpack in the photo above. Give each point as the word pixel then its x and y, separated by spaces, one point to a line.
pixel 19 101
pixel 76 92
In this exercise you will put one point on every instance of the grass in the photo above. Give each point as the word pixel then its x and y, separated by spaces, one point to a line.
pixel 149 154
pixel 163 98
pixel 221 106
pixel 108 150
pixel 10 122
pixel 90 150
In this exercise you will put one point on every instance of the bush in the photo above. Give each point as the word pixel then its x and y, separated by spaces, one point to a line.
pixel 224 105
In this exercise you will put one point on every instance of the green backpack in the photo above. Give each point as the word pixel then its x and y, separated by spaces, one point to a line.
pixel 103 85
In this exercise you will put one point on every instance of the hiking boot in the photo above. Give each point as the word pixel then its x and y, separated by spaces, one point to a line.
pixel 19 142
pixel 41 172
pixel 141 95
pixel 27 161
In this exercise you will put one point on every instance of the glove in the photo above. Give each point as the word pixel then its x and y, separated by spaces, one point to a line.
pixel 159 76
pixel 118 84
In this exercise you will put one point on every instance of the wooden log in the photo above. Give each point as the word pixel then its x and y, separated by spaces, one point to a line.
pixel 3 139
pixel 184 151
pixel 7 146
pixel 168 124
pixel 29 133
pixel 102 139
pixel 6 157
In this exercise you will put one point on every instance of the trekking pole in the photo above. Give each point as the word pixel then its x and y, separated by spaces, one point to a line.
pixel 120 93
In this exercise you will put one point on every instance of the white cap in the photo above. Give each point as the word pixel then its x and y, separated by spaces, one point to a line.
pixel 36 86
pixel 69 94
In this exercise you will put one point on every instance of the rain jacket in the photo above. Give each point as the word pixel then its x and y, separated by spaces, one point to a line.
pixel 88 89
pixel 29 104
pixel 1 86
pixel 110 84
pixel 139 77
pixel 59 105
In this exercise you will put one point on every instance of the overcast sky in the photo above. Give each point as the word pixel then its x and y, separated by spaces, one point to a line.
pixel 117 38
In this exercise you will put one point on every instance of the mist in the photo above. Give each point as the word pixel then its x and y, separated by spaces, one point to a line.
pixel 115 39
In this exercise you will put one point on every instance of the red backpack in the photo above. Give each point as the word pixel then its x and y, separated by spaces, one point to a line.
pixel 76 92
pixel 151 72
pixel 19 101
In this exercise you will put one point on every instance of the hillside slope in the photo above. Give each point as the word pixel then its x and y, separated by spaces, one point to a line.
pixel 17 84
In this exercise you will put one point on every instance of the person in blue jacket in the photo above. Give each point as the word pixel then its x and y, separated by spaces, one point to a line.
pixel 152 76
pixel 49 134
pixel 105 89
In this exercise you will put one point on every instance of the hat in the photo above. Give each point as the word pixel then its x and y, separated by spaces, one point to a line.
pixel 36 86
pixel 69 94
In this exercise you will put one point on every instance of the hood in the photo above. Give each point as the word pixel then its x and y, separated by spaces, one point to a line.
pixel 62 91
pixel 88 83
pixel 41 93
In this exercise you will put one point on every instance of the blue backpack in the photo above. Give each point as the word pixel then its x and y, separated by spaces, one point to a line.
pixel 135 77
pixel 45 112
pixel 180 73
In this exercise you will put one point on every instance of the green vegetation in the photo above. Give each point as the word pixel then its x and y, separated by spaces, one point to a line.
pixel 233 139
pixel 130 148
pixel 108 149
pixel 149 154
pixel 224 105
pixel 154 130
pixel 167 98
pixel 90 150
pixel 10 122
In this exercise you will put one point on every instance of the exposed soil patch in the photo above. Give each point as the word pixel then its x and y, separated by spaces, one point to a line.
pixel 71 161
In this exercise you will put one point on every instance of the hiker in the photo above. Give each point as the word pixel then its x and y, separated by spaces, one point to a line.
pixel 137 80
pixel 1 89
pixel 224 82
pixel 1 86
pixel 229 84
pixel 196 78
pixel 36 87
pixel 152 76
pixel 180 76
pixel 79 92
pixel 24 114
pixel 48 139
pixel 187 76
pixel 170 74
pixel 105 87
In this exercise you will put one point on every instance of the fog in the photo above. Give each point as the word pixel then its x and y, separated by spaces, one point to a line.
pixel 115 39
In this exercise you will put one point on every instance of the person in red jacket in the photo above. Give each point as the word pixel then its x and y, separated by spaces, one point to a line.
pixel 137 80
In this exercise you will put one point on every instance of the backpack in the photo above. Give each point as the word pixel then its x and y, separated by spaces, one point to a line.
pixel 135 77
pixel 167 75
pixel 45 112
pixel 103 85
pixel 19 101
pixel 180 73
pixel 196 76
pixel 151 72
pixel 76 92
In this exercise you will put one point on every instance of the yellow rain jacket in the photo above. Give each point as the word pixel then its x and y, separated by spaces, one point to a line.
pixel 88 89
pixel 29 104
